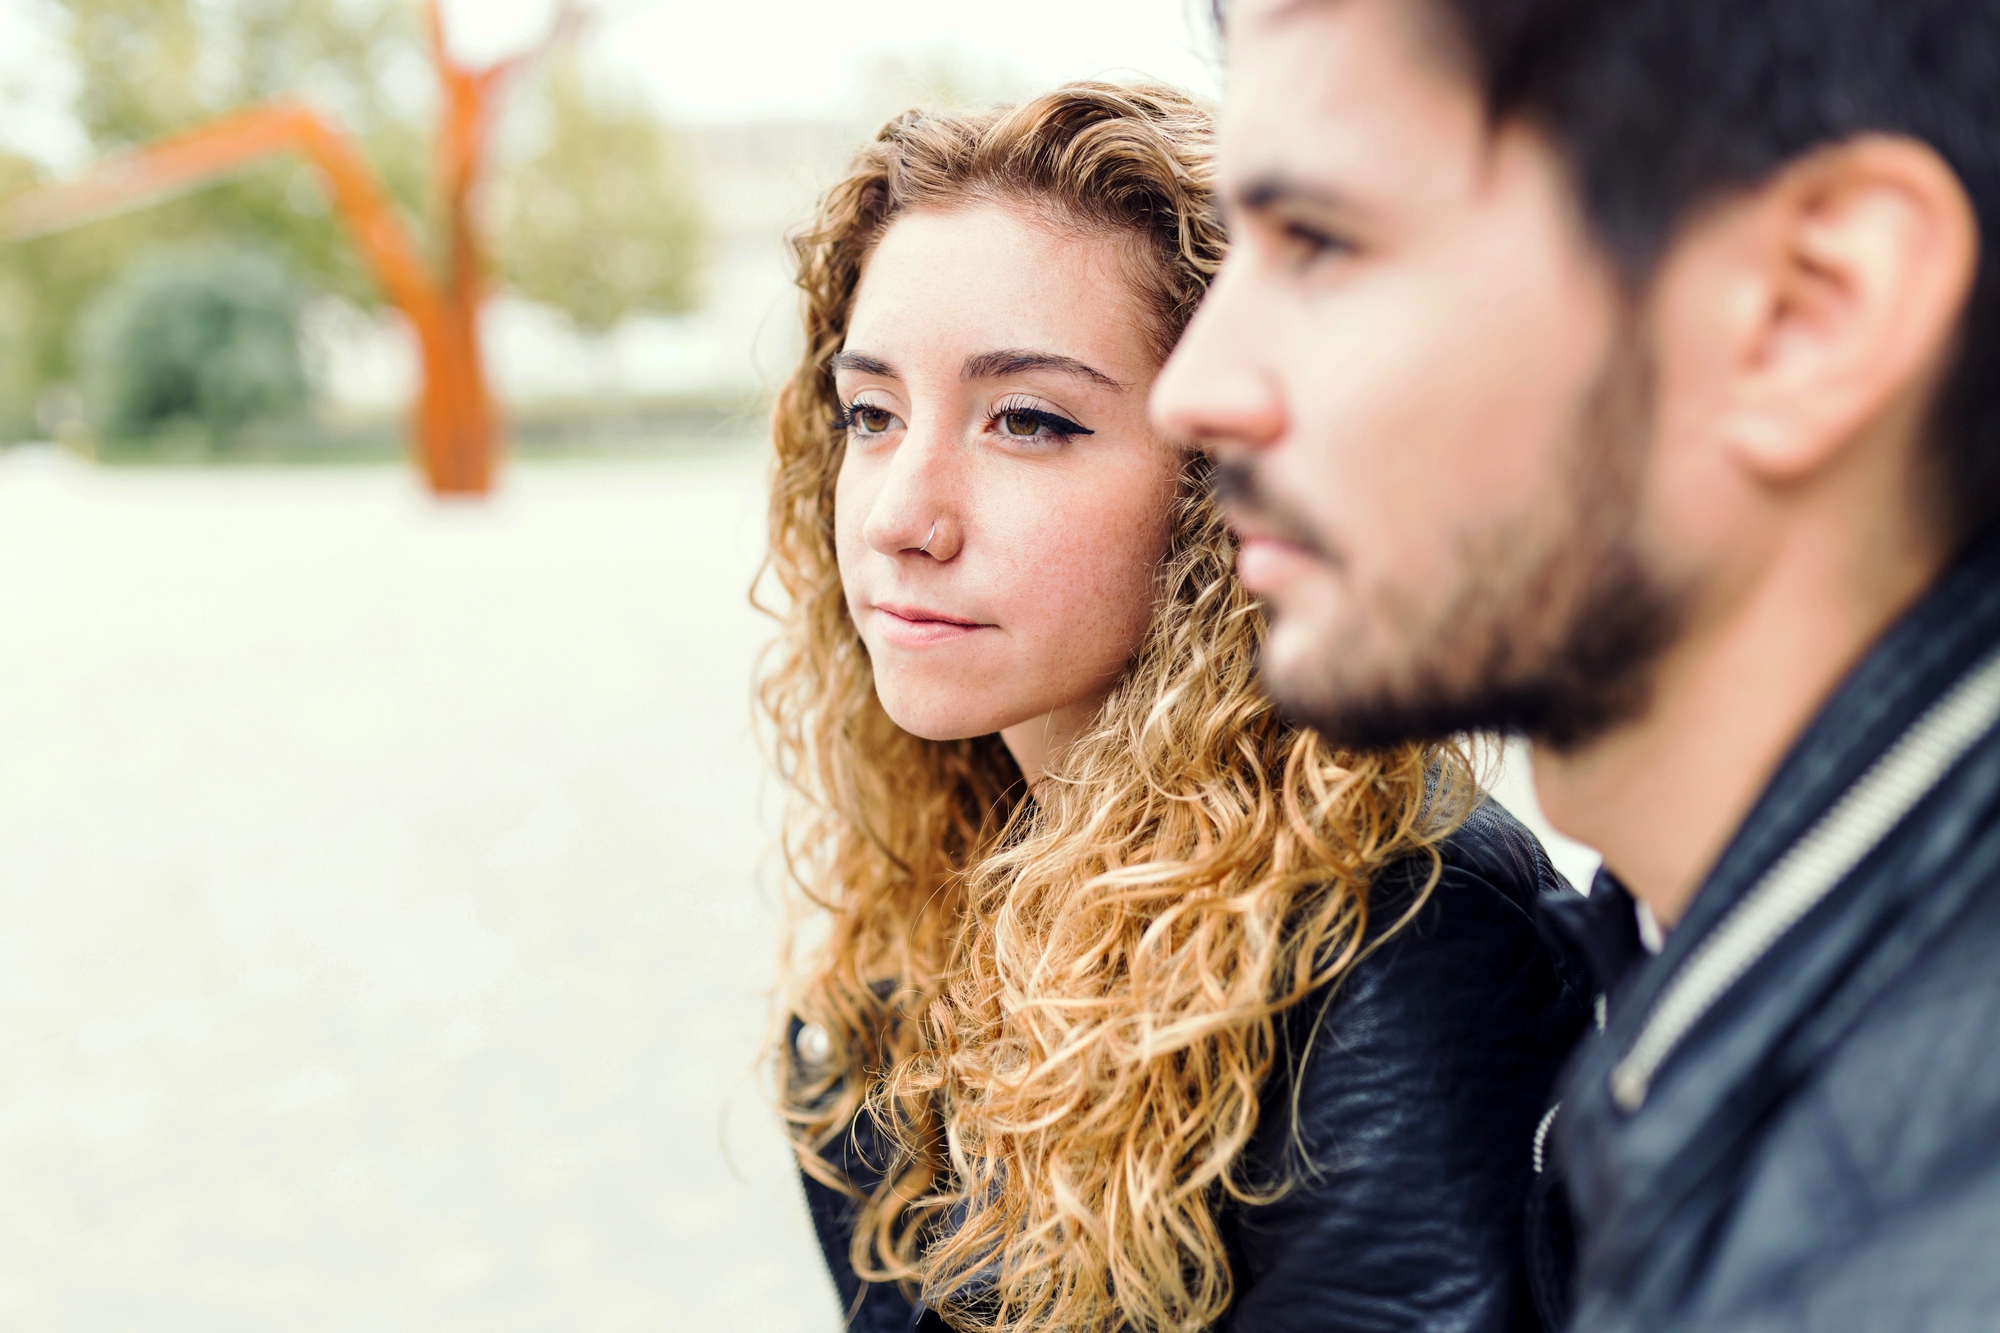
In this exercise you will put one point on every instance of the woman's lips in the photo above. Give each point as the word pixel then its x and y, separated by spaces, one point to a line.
pixel 916 627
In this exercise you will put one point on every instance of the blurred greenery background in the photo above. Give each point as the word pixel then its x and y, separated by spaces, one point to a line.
pixel 389 913
pixel 389 918
pixel 180 330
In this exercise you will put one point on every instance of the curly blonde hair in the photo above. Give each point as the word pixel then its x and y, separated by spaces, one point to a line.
pixel 1059 1011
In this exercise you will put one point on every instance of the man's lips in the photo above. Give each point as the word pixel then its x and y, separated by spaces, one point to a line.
pixel 1267 563
pixel 918 627
pixel 1269 552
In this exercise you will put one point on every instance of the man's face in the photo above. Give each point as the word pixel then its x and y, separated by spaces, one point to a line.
pixel 1416 372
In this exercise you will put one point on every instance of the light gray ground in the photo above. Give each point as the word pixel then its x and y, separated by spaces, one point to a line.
pixel 385 913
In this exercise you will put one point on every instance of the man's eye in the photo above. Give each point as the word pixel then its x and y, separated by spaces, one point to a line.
pixel 1310 243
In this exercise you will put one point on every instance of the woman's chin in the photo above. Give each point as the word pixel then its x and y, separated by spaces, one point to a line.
pixel 930 722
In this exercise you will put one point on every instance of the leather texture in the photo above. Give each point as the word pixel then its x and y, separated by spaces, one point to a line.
pixel 1822 1152
pixel 1418 1080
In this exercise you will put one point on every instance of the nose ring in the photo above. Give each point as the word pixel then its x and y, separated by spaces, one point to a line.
pixel 925 549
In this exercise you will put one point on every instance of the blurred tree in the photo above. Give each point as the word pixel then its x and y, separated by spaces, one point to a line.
pixel 601 224
pixel 601 220
pixel 19 381
pixel 205 341
pixel 149 67
pixel 938 78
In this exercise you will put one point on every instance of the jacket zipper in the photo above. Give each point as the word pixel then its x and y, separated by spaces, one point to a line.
pixel 1844 836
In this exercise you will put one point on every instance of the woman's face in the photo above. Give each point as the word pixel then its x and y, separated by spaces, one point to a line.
pixel 1003 506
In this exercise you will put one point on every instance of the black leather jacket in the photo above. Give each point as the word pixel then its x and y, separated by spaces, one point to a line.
pixel 1418 1100
pixel 1820 1150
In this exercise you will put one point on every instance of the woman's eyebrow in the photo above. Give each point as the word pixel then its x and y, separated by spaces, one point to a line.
pixel 862 364
pixel 998 365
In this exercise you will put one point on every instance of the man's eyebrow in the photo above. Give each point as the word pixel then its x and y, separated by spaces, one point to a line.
pixel 862 364
pixel 1291 9
pixel 1274 188
pixel 998 365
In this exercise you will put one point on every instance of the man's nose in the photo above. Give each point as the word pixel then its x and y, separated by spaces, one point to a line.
pixel 1212 392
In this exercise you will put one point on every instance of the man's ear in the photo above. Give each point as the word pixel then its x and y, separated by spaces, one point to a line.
pixel 1837 289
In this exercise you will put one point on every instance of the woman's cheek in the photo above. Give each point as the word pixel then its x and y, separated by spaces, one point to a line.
pixel 849 514
pixel 1102 581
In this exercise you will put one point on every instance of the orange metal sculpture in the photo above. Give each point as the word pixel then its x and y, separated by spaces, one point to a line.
pixel 457 427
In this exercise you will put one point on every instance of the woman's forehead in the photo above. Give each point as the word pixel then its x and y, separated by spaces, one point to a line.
pixel 944 286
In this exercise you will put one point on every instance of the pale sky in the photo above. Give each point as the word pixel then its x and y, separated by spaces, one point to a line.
pixel 713 60
pixel 726 59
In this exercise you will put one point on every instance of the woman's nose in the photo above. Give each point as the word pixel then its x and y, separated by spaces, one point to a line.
pixel 913 513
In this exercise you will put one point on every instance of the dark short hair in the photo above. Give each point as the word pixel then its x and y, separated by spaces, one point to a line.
pixel 1661 106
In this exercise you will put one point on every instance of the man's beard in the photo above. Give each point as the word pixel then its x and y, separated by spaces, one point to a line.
pixel 1554 626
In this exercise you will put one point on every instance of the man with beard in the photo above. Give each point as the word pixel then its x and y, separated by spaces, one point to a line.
pixel 1626 373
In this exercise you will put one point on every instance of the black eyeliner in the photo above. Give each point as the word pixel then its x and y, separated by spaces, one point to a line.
pixel 1059 426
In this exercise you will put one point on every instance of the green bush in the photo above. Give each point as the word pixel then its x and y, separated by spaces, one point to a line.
pixel 192 343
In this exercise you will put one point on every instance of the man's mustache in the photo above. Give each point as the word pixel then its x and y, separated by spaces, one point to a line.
pixel 1244 498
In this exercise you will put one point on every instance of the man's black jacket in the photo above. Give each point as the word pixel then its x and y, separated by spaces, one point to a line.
pixel 1820 1148
pixel 1418 1082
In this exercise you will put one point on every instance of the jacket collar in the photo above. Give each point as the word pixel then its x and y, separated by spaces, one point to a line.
pixel 1600 932
pixel 1624 1171
pixel 1949 631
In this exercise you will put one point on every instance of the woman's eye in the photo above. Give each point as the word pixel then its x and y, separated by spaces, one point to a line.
pixel 1034 423
pixel 870 420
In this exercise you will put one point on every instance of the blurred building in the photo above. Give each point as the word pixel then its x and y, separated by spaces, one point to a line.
pixel 760 181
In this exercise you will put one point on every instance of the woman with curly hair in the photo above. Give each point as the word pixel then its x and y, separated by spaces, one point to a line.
pixel 1115 1000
